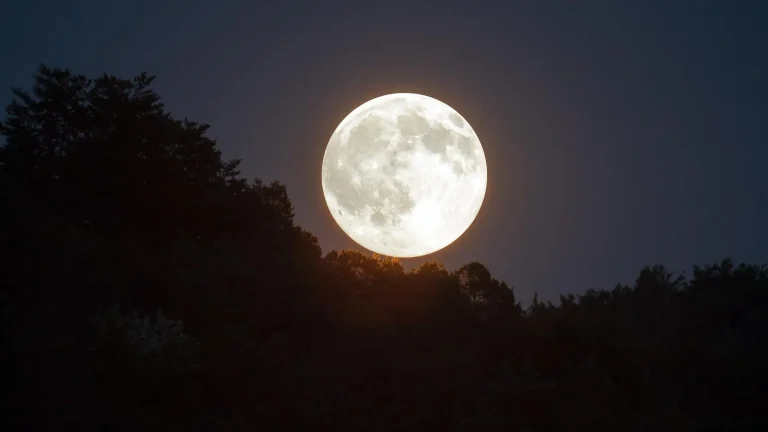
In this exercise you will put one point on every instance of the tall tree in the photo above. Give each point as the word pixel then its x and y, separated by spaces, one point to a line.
pixel 105 153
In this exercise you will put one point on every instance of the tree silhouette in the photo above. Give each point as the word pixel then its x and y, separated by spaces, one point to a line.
pixel 148 286
pixel 475 281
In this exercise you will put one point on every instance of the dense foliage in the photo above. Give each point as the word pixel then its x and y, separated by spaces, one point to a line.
pixel 116 215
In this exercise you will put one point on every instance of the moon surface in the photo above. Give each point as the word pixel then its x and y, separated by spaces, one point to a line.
pixel 404 175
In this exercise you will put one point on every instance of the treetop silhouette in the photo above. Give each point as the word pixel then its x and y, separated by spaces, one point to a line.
pixel 115 212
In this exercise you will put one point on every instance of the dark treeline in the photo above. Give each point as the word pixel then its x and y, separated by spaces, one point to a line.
pixel 120 223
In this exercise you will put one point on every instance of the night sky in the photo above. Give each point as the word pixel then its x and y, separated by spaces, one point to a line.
pixel 617 133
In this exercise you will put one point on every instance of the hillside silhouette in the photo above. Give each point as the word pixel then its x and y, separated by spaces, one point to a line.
pixel 148 286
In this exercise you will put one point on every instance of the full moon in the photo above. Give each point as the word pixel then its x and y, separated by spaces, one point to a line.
pixel 404 175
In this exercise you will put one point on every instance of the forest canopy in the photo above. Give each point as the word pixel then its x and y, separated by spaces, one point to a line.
pixel 147 285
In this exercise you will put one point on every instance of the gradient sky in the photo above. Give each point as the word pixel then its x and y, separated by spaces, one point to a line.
pixel 618 133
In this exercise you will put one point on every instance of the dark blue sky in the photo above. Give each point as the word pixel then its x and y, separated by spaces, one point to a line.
pixel 618 133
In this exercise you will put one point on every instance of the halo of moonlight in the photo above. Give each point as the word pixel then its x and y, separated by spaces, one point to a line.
pixel 404 175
